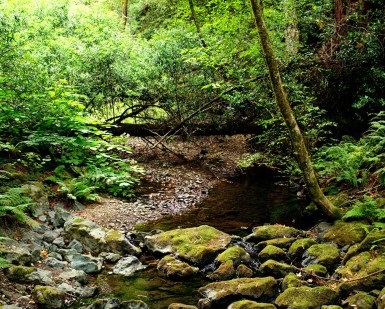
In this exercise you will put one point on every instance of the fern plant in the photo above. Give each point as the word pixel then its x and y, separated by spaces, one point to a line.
pixel 365 210
pixel 15 202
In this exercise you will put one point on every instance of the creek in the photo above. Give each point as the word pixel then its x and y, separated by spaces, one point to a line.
pixel 232 207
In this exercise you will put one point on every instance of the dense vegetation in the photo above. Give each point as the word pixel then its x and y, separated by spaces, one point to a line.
pixel 187 65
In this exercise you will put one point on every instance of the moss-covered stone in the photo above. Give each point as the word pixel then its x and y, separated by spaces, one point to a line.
pixel 316 269
pixel 292 281
pixel 248 304
pixel 324 254
pixel 242 287
pixel 266 232
pixel 276 269
pixel 347 233
pixel 181 306
pixel 225 271
pixel 374 237
pixel 236 254
pixel 271 252
pixel 331 307
pixel 244 272
pixel 197 245
pixel 48 297
pixel 174 268
pixel 18 273
pixel 306 297
pixel 381 299
pixel 299 246
pixel 360 300
pixel 360 266
pixel 283 243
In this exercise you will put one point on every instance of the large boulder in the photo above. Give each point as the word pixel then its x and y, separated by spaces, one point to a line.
pixel 236 254
pixel 266 232
pixel 271 252
pixel 86 263
pixel 19 253
pixel 324 254
pixel 128 266
pixel 48 297
pixel 298 247
pixel 306 298
pixel 198 245
pixel 347 233
pixel 360 300
pixel 276 269
pixel 255 288
pixel 97 239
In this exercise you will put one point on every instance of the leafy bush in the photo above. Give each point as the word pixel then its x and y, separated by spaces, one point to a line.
pixel 366 209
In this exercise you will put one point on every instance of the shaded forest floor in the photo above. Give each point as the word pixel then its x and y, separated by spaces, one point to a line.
pixel 178 174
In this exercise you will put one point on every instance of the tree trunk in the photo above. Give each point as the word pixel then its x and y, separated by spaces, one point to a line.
pixel 297 139
pixel 124 13
pixel 194 17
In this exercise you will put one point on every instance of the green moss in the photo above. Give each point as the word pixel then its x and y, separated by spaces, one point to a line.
pixel 78 220
pixel 347 233
pixel 225 271
pixel 266 232
pixel 236 254
pixel 360 300
pixel 276 269
pixel 272 252
pixel 316 269
pixel 292 281
pixel 48 296
pixel 324 254
pixel 278 242
pixel 306 297
pixel 248 304
pixel 113 236
pixel 18 273
pixel 299 246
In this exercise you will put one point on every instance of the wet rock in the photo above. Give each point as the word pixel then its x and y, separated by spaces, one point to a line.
pixel 86 263
pixel 360 266
pixel 74 275
pixel 322 228
pixel 271 252
pixel 292 281
pixel 283 243
pixel 248 304
pixel 225 271
pixel 324 254
pixel 347 233
pixel 54 263
pixel 84 292
pixel 181 306
pixel 197 245
pixel 306 297
pixel 244 272
pixel 174 268
pixel 236 254
pixel 266 232
pixel 360 300
pixel 96 239
pixel 276 269
pixel 48 297
pixel 242 287
pixel 116 304
pixel 298 247
pixel 76 245
pixel 128 266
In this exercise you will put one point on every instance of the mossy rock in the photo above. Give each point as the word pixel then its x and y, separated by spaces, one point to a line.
pixel 276 269
pixel 266 232
pixel 271 252
pixel 381 299
pixel 244 272
pixel 181 306
pixel 198 245
pixel 316 269
pixel 331 307
pixel 18 273
pixel 174 268
pixel 248 304
pixel 374 237
pixel 225 271
pixel 324 254
pixel 298 247
pixel 306 297
pixel 360 266
pixel 360 300
pixel 347 233
pixel 292 281
pixel 283 243
pixel 48 297
pixel 236 254
pixel 241 287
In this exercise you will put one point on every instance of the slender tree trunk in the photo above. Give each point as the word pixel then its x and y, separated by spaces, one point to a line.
pixel 194 17
pixel 124 14
pixel 291 32
pixel 297 139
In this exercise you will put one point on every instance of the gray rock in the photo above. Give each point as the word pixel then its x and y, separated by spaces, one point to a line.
pixel 84 292
pixel 59 216
pixel 54 263
pixel 115 304
pixel 76 245
pixel 56 256
pixel 110 257
pixel 181 306
pixel 128 266
pixel 51 235
pixel 16 252
pixel 40 276
pixel 74 275
pixel 67 253
pixel 37 192
pixel 87 263
pixel 59 242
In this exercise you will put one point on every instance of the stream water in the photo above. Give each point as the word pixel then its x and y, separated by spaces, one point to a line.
pixel 232 207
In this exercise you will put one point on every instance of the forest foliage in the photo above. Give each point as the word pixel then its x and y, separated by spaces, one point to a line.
pixel 67 67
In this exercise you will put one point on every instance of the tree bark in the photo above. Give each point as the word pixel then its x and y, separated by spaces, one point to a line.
pixel 194 17
pixel 298 142
pixel 124 13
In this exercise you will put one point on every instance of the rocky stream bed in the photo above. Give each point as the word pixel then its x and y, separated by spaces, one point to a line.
pixel 94 258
